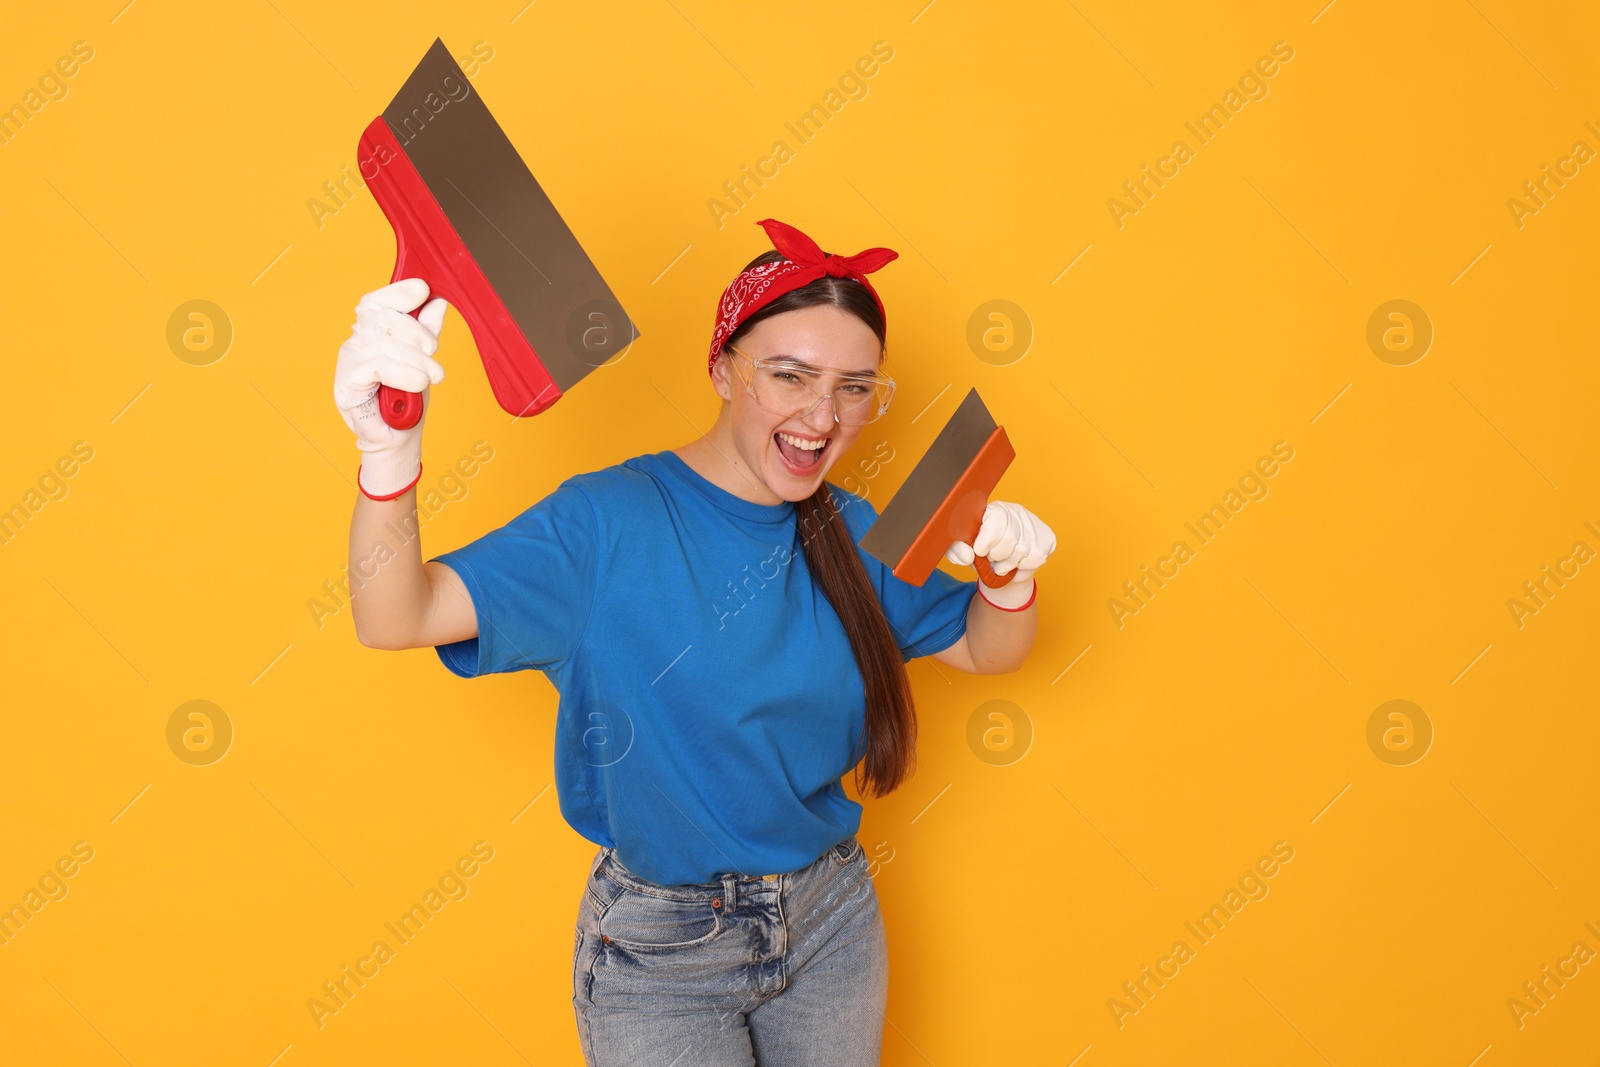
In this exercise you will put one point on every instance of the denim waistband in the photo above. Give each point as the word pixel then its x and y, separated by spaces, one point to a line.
pixel 727 885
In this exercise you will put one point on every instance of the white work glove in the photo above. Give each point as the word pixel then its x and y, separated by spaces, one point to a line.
pixel 388 347
pixel 1015 540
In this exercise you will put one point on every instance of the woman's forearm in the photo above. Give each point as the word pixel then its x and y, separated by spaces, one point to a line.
pixel 999 640
pixel 389 591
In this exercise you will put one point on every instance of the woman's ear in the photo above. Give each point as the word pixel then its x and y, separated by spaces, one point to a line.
pixel 720 372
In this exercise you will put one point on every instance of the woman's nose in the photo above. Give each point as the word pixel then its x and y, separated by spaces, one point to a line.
pixel 821 418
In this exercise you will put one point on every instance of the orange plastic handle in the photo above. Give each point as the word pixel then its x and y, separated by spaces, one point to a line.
pixel 987 576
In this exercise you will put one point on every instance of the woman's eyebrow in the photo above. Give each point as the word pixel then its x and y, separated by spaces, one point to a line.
pixel 870 372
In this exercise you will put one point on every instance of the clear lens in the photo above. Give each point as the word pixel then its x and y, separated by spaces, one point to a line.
pixel 791 392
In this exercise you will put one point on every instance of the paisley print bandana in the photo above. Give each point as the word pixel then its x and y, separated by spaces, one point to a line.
pixel 805 263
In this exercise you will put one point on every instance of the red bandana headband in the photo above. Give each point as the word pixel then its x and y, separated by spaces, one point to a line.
pixel 805 263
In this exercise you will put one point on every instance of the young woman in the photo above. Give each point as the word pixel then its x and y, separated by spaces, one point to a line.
pixel 724 654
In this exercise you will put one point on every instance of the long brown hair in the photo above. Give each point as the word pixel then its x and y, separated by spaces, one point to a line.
pixel 890 729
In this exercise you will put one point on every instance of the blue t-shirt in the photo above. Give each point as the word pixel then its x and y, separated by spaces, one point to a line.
pixel 709 699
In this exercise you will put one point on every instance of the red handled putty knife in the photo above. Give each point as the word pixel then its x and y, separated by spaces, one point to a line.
pixel 943 499
pixel 471 221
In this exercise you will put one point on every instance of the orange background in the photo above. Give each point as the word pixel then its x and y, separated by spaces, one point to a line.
pixel 1036 862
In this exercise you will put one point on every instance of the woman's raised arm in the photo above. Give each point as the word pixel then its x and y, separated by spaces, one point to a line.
pixel 395 601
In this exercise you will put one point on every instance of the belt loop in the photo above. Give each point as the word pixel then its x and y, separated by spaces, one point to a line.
pixel 730 892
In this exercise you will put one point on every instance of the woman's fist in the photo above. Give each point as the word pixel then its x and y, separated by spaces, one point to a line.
pixel 387 346
pixel 1016 542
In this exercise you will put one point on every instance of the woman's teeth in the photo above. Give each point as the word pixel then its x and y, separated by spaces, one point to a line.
pixel 800 454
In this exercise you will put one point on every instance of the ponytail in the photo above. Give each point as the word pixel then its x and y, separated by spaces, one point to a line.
pixel 890 726
pixel 889 733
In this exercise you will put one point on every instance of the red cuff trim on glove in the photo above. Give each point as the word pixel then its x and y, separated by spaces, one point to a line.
pixel 399 492
pixel 1031 597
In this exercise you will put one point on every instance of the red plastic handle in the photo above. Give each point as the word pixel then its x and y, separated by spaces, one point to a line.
pixel 400 409
pixel 427 246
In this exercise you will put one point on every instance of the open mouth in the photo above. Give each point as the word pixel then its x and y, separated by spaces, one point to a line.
pixel 800 459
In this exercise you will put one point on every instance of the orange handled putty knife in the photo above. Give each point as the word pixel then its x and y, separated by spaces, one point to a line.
pixel 471 221
pixel 943 499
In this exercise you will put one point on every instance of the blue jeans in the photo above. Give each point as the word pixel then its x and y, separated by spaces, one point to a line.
pixel 774 971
